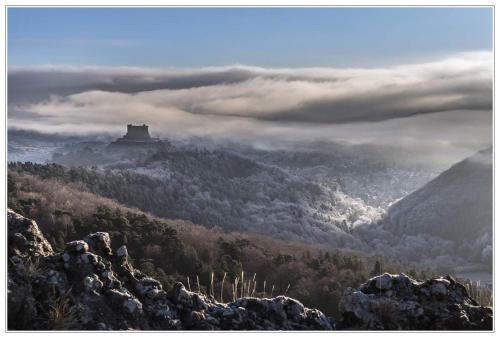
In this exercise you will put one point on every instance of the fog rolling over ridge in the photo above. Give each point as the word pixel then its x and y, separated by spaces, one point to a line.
pixel 425 108
pixel 349 158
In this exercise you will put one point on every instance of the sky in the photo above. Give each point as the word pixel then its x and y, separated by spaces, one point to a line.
pixel 272 37
pixel 417 78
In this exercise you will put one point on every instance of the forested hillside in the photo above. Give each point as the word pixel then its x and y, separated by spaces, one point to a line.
pixel 173 250
pixel 446 224
pixel 215 188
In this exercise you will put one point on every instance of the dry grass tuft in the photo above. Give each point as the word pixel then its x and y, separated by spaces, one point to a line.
pixel 481 294
pixel 61 314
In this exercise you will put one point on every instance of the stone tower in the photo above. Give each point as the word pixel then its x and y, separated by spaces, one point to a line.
pixel 137 136
pixel 137 133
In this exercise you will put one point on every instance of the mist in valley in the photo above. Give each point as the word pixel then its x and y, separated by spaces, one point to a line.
pixel 306 154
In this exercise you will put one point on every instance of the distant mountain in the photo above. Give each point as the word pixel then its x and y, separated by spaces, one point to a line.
pixel 447 223
pixel 32 146
pixel 455 205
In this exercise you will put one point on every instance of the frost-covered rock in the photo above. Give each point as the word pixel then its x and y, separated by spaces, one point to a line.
pixel 248 313
pixel 398 302
pixel 100 243
pixel 25 236
pixel 77 247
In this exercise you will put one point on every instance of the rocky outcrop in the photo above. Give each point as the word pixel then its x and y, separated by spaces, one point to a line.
pixel 89 287
pixel 398 302
pixel 25 237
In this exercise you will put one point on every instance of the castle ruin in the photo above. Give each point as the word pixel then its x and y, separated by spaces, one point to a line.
pixel 136 135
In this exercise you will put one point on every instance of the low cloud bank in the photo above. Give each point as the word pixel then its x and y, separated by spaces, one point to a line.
pixel 443 104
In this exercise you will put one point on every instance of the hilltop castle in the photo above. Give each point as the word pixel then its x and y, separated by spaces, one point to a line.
pixel 136 135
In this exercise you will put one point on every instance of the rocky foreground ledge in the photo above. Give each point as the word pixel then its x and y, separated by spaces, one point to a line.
pixel 89 287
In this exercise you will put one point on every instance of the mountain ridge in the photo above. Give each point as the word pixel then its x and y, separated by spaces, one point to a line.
pixel 469 182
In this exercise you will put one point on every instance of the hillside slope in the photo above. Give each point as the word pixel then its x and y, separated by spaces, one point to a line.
pixel 217 188
pixel 172 250
pixel 456 206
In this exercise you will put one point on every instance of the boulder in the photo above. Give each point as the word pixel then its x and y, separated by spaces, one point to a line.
pixel 25 236
pixel 398 302
pixel 100 243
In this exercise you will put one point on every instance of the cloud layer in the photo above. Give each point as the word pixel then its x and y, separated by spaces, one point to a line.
pixel 253 102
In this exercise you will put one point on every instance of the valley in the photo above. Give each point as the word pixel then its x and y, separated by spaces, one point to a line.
pixel 344 197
